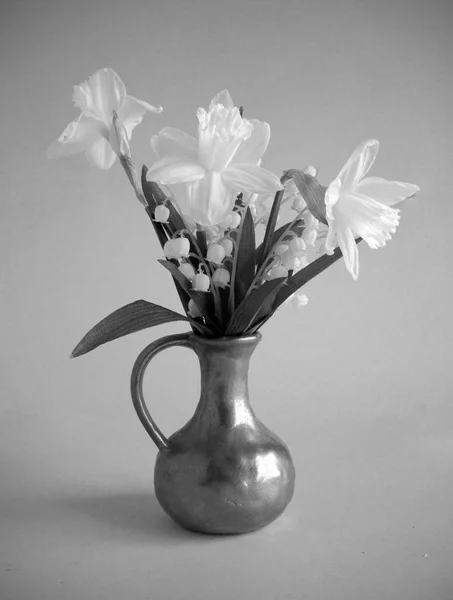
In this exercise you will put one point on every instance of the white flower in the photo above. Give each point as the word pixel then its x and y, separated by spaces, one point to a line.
pixel 361 207
pixel 94 131
pixel 220 164
pixel 298 300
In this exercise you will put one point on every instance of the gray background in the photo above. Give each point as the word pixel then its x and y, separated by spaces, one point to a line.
pixel 358 383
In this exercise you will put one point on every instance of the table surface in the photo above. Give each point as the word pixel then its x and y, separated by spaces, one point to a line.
pixel 370 518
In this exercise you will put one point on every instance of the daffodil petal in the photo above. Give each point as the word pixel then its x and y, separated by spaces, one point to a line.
pixel 386 192
pixel 210 199
pixel 108 93
pixel 169 171
pixel 174 142
pixel 132 111
pixel 359 163
pixel 79 135
pixel 223 98
pixel 252 149
pixel 349 249
pixel 331 197
pixel 101 154
pixel 251 178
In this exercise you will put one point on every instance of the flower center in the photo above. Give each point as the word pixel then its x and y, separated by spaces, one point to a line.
pixel 220 133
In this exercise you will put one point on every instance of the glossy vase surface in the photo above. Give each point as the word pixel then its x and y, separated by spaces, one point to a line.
pixel 224 472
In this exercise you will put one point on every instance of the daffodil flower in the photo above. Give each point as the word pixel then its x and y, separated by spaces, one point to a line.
pixel 359 206
pixel 94 131
pixel 222 162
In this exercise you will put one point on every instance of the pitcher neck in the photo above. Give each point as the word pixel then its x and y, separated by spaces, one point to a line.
pixel 224 364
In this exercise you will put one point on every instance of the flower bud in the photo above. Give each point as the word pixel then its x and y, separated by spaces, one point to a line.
pixel 234 220
pixel 161 214
pixel 310 170
pixel 297 246
pixel 309 236
pixel 187 270
pixel 193 310
pixel 277 271
pixel 200 282
pixel 303 262
pixel 298 203
pixel 289 261
pixel 169 249
pixel 216 253
pixel 280 249
pixel 298 300
pixel 227 245
pixel 221 277
pixel 181 247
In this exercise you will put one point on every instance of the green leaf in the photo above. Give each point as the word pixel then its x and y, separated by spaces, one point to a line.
pixel 150 189
pixel 305 275
pixel 249 308
pixel 155 196
pixel 180 278
pixel 270 228
pixel 203 300
pixel 202 243
pixel 245 258
pixel 297 227
pixel 311 191
pixel 128 319
pixel 205 304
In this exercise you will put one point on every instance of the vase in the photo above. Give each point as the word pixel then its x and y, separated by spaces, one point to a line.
pixel 224 472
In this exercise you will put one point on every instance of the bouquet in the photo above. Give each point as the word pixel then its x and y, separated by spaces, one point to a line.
pixel 232 259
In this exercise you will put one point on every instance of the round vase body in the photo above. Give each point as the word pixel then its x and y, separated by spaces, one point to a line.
pixel 224 472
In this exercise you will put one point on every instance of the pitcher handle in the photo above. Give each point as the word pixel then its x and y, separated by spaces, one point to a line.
pixel 138 371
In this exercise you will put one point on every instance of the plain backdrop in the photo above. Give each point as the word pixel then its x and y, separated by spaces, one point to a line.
pixel 359 383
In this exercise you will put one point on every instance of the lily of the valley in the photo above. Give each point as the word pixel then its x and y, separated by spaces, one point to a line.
pixel 359 206
pixel 106 122
pixel 221 163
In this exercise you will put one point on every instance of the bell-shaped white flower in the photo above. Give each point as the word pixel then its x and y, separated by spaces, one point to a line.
pixel 94 131
pixel 359 206
pixel 222 162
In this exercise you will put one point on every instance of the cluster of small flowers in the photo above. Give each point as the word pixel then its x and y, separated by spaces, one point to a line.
pixel 211 271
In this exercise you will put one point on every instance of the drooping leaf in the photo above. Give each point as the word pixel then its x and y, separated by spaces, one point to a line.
pixel 245 257
pixel 306 274
pixel 311 191
pixel 270 228
pixel 247 311
pixel 128 319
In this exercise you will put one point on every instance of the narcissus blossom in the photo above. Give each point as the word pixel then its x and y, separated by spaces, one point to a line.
pixel 94 131
pixel 222 162
pixel 359 206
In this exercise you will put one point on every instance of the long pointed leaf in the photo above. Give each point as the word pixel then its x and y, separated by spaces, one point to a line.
pixel 247 311
pixel 270 228
pixel 245 262
pixel 128 319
